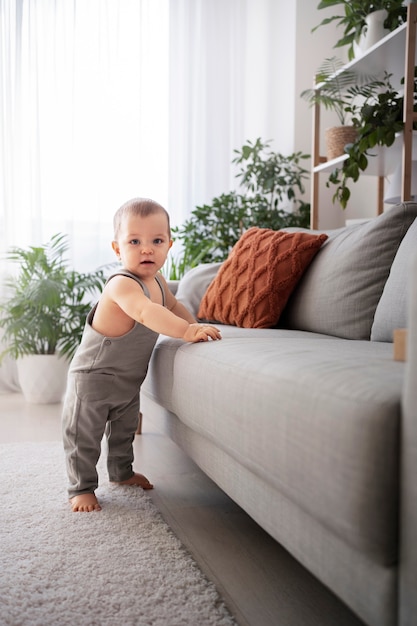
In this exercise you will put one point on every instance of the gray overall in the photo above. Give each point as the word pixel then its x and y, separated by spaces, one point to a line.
pixel 102 396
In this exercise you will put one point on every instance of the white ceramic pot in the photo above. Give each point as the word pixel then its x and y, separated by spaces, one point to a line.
pixel 373 33
pixel 42 378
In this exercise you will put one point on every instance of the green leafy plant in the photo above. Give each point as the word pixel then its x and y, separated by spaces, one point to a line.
pixel 268 180
pixel 378 120
pixel 45 309
pixel 353 20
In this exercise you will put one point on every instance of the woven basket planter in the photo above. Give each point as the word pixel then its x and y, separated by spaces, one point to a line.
pixel 336 139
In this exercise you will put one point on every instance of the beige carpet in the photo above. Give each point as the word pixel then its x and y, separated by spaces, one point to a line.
pixel 119 567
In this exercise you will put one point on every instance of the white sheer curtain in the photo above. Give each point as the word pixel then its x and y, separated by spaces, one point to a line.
pixel 83 117
pixel 207 51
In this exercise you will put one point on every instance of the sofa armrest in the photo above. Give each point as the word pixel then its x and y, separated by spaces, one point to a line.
pixel 408 467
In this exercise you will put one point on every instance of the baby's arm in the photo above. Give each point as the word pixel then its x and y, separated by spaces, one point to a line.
pixel 131 299
pixel 160 319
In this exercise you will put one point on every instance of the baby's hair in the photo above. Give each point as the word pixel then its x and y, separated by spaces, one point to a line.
pixel 141 207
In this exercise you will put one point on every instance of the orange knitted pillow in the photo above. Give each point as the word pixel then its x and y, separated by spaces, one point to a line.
pixel 253 285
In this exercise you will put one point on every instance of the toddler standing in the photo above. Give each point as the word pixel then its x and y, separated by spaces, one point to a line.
pixel 111 361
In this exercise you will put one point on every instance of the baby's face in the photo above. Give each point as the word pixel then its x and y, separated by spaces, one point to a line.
pixel 143 244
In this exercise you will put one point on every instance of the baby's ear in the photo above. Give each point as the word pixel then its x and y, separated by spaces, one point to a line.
pixel 115 247
pixel 170 243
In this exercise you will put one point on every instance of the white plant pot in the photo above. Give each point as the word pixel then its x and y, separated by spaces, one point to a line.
pixel 42 378
pixel 375 31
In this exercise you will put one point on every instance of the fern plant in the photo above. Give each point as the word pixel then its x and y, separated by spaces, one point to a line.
pixel 332 88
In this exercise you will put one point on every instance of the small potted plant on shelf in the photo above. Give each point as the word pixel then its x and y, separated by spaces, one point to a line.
pixel 355 19
pixel 332 92
pixel 378 120
pixel 342 91
pixel 268 180
pixel 43 316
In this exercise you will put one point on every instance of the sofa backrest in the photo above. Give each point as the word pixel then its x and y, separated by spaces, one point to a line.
pixel 349 282
pixel 391 312
pixel 340 291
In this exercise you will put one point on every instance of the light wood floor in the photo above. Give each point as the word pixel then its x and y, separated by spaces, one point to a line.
pixel 259 581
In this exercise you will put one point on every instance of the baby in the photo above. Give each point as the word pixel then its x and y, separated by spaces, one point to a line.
pixel 111 361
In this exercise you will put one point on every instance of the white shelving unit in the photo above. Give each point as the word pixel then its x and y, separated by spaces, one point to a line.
pixel 396 54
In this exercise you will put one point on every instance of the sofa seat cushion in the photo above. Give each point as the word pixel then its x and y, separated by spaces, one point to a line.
pixel 321 429
pixel 159 384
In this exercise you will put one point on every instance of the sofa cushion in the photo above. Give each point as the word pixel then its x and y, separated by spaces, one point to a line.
pixel 391 311
pixel 340 291
pixel 253 285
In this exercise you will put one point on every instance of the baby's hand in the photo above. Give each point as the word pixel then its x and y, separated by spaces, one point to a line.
pixel 201 332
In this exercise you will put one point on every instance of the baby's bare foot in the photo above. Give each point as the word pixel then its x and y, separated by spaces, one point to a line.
pixel 85 503
pixel 137 480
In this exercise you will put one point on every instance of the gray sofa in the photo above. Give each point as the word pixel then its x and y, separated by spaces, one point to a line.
pixel 311 427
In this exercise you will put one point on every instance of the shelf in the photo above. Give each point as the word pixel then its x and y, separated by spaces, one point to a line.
pixel 388 55
pixel 382 161
pixel 329 166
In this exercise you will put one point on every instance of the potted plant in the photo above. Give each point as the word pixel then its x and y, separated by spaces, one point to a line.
pixel 43 315
pixel 268 180
pixel 341 91
pixel 355 21
pixel 331 91
pixel 378 121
